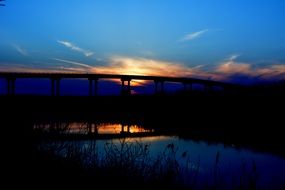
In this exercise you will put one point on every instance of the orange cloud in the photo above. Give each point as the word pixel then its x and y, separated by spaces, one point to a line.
pixel 231 68
pixel 234 68
pixel 141 66
pixel 149 67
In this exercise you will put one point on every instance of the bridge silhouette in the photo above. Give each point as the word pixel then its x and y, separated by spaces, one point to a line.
pixel 93 79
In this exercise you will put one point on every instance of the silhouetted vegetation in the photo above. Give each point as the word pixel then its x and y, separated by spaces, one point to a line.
pixel 129 165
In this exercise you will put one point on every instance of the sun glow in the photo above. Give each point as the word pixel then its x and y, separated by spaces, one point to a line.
pixel 145 67
pixel 141 66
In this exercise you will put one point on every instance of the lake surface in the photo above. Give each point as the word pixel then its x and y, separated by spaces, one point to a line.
pixel 230 164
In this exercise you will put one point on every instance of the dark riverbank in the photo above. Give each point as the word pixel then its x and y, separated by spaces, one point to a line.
pixel 256 121
pixel 243 121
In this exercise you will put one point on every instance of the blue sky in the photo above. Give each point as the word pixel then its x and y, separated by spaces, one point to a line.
pixel 217 39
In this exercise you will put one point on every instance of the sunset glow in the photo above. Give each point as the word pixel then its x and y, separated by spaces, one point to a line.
pixel 161 38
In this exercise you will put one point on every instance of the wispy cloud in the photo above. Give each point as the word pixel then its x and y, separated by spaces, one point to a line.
pixel 20 50
pixel 74 63
pixel 194 35
pixel 15 67
pixel 73 47
pixel 233 57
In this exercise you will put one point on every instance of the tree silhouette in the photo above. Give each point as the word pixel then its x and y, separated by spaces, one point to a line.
pixel 2 3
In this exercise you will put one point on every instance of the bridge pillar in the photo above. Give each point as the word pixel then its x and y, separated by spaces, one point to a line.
pixel 123 85
pixel 208 88
pixel 129 87
pixel 13 82
pixel 159 87
pixel 155 87
pixel 8 86
pixel 11 86
pixel 58 87
pixel 55 86
pixel 90 87
pixel 187 87
pixel 93 90
pixel 52 87
pixel 95 87
pixel 162 86
pixel 126 91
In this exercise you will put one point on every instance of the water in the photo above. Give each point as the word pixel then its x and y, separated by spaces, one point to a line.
pixel 212 162
pixel 93 128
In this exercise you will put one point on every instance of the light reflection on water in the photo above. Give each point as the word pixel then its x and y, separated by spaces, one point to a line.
pixel 94 128
pixel 233 163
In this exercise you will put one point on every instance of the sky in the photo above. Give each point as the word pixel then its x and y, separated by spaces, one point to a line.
pixel 240 41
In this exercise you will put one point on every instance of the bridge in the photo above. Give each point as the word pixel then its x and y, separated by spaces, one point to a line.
pixel 93 79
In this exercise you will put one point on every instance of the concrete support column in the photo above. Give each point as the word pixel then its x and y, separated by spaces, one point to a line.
pixel 52 87
pixel 8 86
pixel 159 87
pixel 90 87
pixel 123 86
pixel 55 86
pixel 187 87
pixel 155 87
pixel 11 86
pixel 162 86
pixel 129 87
pixel 208 88
pixel 95 87
pixel 126 91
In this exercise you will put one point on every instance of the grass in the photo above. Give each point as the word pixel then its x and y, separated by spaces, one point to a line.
pixel 130 165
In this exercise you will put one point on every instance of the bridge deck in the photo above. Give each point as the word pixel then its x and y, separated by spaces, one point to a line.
pixel 113 76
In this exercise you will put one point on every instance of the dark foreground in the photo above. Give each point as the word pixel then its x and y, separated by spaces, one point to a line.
pixel 255 122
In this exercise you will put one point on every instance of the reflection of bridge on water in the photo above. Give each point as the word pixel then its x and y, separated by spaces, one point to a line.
pixel 125 79
pixel 91 130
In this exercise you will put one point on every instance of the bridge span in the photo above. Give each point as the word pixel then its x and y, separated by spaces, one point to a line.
pixel 93 79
